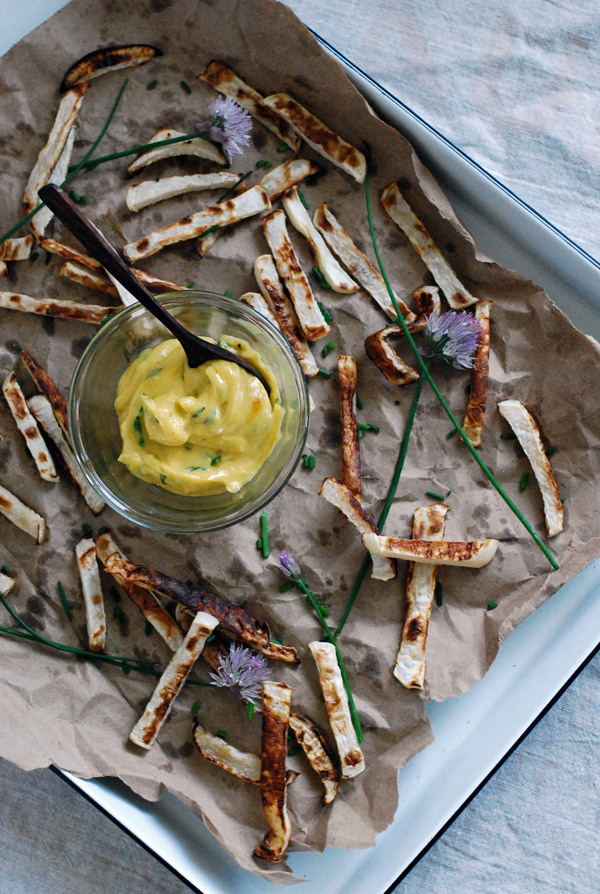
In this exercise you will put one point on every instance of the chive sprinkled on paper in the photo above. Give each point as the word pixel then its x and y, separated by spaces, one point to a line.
pixel 367 426
pixel 222 734
pixel 191 285
pixel 359 402
pixel 324 610
pixel 228 293
pixel 492 605
pixel 63 599
pixel 551 451
pixel 117 612
pixel 163 479
pixel 439 594
pixel 320 278
pixel 264 531
pixel 213 229
pixel 523 482
pixel 282 147
pixel 5 569
pixel 195 707
pixel 302 199
pixel 434 496
pixel 152 85
pixel 294 750
pixel 330 346
pixel 324 373
pixel 452 434
pixel 263 163
pixel 287 586
pixel 185 86
pixel 87 529
pixel 326 315
pixel 259 544
pixel 508 436
pixel 105 320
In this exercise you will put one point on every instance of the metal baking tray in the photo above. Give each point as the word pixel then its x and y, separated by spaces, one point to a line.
pixel 476 732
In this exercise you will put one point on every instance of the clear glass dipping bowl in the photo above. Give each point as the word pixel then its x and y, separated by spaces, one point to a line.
pixel 94 426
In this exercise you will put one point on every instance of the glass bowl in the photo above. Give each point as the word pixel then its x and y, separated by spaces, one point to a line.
pixel 94 426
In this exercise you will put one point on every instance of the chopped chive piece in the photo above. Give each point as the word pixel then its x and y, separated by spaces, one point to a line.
pixel 215 461
pixel 359 402
pixel 210 638
pixel 5 569
pixel 228 293
pixel 448 494
pixel 508 436
pixel 195 707
pixel 163 479
pixel 367 426
pixel 125 668
pixel 263 163
pixel 326 315
pixel 157 179
pixel 154 372
pixel 276 641
pixel 117 611
pixel 330 346
pixel 105 320
pixel 82 200
pixel 47 260
pixel 264 530
pixel 211 417
pixel 185 86
pixel 434 496
pixel 287 586
pixel 197 469
pixel 191 285
pixel 87 529
pixel 551 451
pixel 295 749
pixel 439 594
pixel 63 599
pixel 397 402
pixel 360 433
pixel 324 611
pixel 452 434
pixel 562 499
pixel 20 382
pixel 492 605
pixel 152 85
pixel 282 147
pixel 34 256
pixel 523 482
pixel 250 710
pixel 324 373
pixel 305 461
pixel 222 734
pixel 259 543
pixel 321 279
pixel 147 628
pixel 302 199
pixel 212 229
pixel 311 461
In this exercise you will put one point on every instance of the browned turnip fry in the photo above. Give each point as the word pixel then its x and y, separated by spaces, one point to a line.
pixel 278 652
pixel 108 59
pixel 475 412
pixel 387 361
pixel 6 583
pixel 465 553
pixel 28 428
pixel 319 136
pixel 277 699
pixel 157 282
pixel 172 680
pixel 66 310
pixel 428 524
pixel 315 748
pixel 258 303
pixel 153 611
pixel 340 496
pixel 427 301
pixel 98 282
pixel 219 752
pixel 212 651
pixel 528 435
pixel 348 377
pixel 196 146
pixel 3 268
pixel 48 387
pixel 87 562
pixel 235 621
pixel 16 249
pixel 227 82
pixel 246 204
pixel 61 169
pixel 22 516
pixel 309 314
pixel 53 247
pixel 149 192
pixel 401 213
pixel 272 289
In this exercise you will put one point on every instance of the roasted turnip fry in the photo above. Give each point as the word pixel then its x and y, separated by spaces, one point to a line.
pixel 348 377
pixel 317 753
pixel 66 310
pixel 87 562
pixel 212 651
pixel 151 608
pixel 427 301
pixel 336 702
pixel 16 249
pixel 3 268
pixel 475 412
pixel 274 294
pixel 173 678
pixel 149 192
pixel 105 60
pixel 48 387
pixel 387 361
pixel 184 618
pixel 42 410
pixel 258 303
pixel 227 82
pixel 219 752
pixel 58 175
pixel 428 524
pixel 254 201
pixel 22 516
pixel 327 264
pixel 309 314
pixel 340 496
pixel 28 428
pixel 99 282
pixel 528 435
pixel 401 213
pixel 53 247
pixel 319 136
pixel 156 282
pixel 50 154
pixel 464 553
pixel 236 623
pixel 6 584
pixel 357 263
pixel 277 698
pixel 195 146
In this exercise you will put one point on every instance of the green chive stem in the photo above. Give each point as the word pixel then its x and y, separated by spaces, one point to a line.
pixel 63 599
pixel 230 191
pixel 136 150
pixel 434 495
pixel 264 530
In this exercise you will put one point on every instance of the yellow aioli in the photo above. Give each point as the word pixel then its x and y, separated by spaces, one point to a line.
pixel 196 431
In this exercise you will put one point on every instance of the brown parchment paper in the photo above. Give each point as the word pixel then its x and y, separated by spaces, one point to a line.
pixel 78 715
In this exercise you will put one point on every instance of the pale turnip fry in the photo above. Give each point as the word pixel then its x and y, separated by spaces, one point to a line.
pixel 48 387
pixel 348 378
pixel 409 669
pixel 53 247
pixel 219 752
pixel 58 176
pixel 319 136
pixel 153 611
pixel 340 496
pixel 228 83
pixel 307 310
pixel 87 562
pixel 475 412
pixel 42 410
pixel 272 289
pixel 463 553
pixel 16 249
pixel 528 435
pixel 277 699
pixel 428 301
pixel 337 278
pixel 98 282
pixel 336 701
pixel 401 213
pixel 149 192
pixel 172 680
pixel 254 201
pixel 50 154
pixel 22 516
pixel 387 361
pixel 66 310
pixel 108 59
pixel 195 146
pixel 6 583
pixel 258 303
pixel 28 428
pixel 357 263
pixel 315 748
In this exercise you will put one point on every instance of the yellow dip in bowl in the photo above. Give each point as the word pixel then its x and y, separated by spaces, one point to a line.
pixel 196 431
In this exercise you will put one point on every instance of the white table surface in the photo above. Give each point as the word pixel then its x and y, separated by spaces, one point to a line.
pixel 517 87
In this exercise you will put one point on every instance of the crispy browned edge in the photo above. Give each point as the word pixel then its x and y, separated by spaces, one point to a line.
pixel 291 330
pixel 475 412
pixel 273 753
pixel 461 550
pixel 65 310
pixel 397 371
pixel 355 505
pixel 19 409
pixel 324 764
pixel 49 388
pixel 348 377
pixel 234 619
pixel 275 651
pixel 97 60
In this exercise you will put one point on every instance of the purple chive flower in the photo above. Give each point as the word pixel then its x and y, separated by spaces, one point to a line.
pixel 242 671
pixel 453 337
pixel 228 125
pixel 289 566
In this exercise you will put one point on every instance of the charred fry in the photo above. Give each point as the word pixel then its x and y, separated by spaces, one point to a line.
pixel 87 563
pixel 22 516
pixel 149 192
pixel 273 750
pixel 105 60
pixel 49 388
pixel 475 413
pixel 387 361
pixel 465 553
pixel 16 249
pixel 317 753
pixel 28 428
pixel 348 377
pixel 66 310
pixel 258 303
pixel 219 752
pixel 98 282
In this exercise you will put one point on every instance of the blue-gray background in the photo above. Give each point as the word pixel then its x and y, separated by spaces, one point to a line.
pixel 516 86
